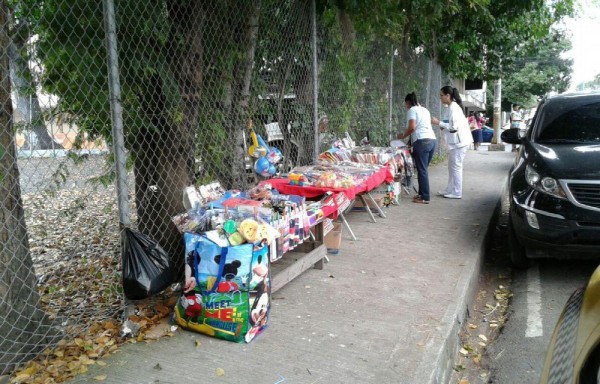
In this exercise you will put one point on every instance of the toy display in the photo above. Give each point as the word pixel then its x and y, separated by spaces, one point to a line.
pixel 344 174
pixel 231 237
pixel 230 296
pixel 266 156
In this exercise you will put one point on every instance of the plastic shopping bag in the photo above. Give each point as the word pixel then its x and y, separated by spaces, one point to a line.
pixel 147 268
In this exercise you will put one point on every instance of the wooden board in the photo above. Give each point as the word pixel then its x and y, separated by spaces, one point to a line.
pixel 292 264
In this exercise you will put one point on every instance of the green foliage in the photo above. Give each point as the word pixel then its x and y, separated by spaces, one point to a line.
pixel 480 39
pixel 539 70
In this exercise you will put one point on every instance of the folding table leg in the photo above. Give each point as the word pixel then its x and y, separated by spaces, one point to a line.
pixel 379 211
pixel 364 201
pixel 345 222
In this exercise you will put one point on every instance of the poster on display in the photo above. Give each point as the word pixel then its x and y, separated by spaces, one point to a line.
pixel 231 298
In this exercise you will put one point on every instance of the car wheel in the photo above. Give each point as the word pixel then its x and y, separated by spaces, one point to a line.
pixel 565 342
pixel 517 251
pixel 590 373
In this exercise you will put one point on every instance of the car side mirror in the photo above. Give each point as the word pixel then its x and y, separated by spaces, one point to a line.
pixel 512 136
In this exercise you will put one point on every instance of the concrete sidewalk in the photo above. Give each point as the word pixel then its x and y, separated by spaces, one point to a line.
pixel 386 309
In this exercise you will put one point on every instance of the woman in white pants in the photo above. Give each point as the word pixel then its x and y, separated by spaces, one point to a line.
pixel 458 137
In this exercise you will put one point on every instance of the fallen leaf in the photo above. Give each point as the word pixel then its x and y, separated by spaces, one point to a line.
pixel 158 367
pixel 482 337
pixel 220 372
pixel 464 351
pixel 198 343
pixel 21 378
pixel 472 326
pixel 100 377
pixel 481 343
pixel 463 381
pixel 101 363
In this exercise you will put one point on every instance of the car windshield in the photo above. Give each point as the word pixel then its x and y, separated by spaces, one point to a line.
pixel 574 122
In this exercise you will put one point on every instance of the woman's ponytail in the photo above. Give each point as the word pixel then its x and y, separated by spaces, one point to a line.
pixel 456 97
pixel 412 99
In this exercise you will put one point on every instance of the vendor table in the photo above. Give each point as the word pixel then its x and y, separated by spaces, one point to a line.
pixel 310 253
pixel 309 191
pixel 307 255
pixel 361 191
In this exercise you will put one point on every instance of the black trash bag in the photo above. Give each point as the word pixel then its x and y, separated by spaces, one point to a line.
pixel 147 268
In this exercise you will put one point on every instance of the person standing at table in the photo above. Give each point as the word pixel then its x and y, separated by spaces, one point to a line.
pixel 423 142
pixel 458 137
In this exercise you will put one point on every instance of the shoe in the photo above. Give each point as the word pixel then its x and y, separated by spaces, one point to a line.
pixel 451 196
pixel 442 193
pixel 419 200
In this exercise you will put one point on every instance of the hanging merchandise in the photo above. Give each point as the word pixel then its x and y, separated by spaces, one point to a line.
pixel 147 268
pixel 231 298
pixel 266 156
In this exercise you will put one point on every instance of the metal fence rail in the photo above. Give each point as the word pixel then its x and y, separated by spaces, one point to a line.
pixel 110 109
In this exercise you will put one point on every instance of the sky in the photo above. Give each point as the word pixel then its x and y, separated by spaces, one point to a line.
pixel 585 37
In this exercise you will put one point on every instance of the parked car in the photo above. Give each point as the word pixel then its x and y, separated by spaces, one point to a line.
pixel 573 355
pixel 554 184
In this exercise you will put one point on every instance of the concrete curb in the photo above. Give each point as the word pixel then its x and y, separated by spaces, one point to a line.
pixel 445 352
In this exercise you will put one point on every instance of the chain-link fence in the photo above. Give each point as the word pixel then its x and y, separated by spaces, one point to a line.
pixel 110 110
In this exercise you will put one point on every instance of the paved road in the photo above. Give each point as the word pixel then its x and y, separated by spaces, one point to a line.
pixel 539 295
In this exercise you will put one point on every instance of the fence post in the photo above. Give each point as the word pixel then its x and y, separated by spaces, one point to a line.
pixel 116 112
pixel 391 95
pixel 428 87
pixel 315 80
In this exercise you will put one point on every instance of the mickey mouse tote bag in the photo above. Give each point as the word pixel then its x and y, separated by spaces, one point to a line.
pixel 227 289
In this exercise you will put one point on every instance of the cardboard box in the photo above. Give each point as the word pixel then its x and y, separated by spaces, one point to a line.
pixel 333 239
pixel 359 206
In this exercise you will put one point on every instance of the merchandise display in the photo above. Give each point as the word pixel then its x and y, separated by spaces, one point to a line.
pixel 231 237
pixel 370 180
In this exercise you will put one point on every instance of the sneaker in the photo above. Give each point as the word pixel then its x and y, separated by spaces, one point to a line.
pixel 451 196
pixel 442 193
pixel 419 200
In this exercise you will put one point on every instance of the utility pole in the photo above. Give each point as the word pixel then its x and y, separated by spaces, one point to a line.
pixel 497 110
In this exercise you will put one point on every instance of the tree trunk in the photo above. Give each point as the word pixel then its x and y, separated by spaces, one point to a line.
pixel 164 153
pixel 20 319
pixel 236 100
pixel 27 100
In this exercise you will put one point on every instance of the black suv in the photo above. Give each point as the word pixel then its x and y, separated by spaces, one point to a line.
pixel 554 185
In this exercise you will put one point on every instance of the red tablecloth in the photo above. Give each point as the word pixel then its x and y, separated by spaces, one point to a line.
pixel 375 180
